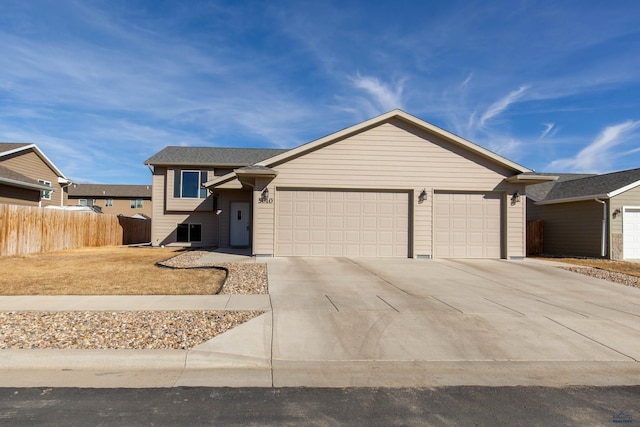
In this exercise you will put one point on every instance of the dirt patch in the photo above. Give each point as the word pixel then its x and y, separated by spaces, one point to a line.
pixel 622 267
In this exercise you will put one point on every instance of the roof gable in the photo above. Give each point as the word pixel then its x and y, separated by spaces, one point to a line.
pixel 15 179
pixel 8 148
pixel 407 118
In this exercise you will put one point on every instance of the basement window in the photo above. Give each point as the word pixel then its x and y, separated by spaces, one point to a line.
pixel 189 233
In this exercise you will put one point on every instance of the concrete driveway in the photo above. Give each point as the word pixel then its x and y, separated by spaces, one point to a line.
pixel 404 322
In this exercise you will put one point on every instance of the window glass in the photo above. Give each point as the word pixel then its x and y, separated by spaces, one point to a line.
pixel 190 184
pixel 82 202
pixel 109 202
pixel 46 195
pixel 195 232
pixel 183 233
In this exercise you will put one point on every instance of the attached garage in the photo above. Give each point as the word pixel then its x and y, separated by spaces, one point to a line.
pixel 342 223
pixel 468 225
pixel 631 232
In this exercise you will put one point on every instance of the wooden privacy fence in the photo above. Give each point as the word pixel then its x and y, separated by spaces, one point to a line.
pixel 535 241
pixel 25 230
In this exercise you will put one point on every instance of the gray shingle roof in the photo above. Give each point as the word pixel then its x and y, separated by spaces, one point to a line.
pixel 571 186
pixel 540 191
pixel 110 190
pixel 211 156
pixel 8 146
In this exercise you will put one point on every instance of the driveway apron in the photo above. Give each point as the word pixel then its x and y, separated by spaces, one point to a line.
pixel 396 313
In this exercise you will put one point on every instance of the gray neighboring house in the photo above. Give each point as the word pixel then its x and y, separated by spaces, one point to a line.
pixel 393 185
pixel 589 215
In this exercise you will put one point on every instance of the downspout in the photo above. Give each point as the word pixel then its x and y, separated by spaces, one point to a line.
pixel 603 248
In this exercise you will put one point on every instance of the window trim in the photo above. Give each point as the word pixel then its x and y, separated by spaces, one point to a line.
pixel 108 203
pixel 46 194
pixel 135 205
pixel 202 178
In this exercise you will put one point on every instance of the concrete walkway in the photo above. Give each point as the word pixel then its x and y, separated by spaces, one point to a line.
pixel 337 322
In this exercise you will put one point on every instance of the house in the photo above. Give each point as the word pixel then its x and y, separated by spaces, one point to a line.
pixel 589 215
pixel 28 177
pixel 394 185
pixel 127 200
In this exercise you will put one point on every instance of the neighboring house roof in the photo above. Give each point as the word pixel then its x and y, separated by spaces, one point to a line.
pixel 110 191
pixel 539 191
pixel 585 187
pixel 8 148
pixel 394 114
pixel 15 179
pixel 211 156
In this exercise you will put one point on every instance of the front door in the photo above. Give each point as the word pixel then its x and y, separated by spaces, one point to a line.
pixel 239 224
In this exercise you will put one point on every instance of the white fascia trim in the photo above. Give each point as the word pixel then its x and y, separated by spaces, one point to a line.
pixel 623 189
pixel 574 199
pixel 22 184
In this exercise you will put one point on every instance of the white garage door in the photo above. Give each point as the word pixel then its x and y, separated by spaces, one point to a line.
pixel 467 225
pixel 631 233
pixel 342 223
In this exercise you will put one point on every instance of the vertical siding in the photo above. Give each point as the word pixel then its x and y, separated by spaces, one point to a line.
pixel 572 229
pixel 28 163
pixel 395 156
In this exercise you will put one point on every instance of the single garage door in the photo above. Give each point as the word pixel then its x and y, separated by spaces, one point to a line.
pixel 631 233
pixel 342 223
pixel 467 225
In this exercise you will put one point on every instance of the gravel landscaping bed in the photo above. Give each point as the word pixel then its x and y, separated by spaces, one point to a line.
pixel 624 279
pixel 135 329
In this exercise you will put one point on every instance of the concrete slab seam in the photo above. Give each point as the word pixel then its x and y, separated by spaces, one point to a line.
pixel 383 300
pixel 332 303
pixel 592 339
pixel 448 305
pixel 612 309
pixel 564 308
pixel 380 277
pixel 504 306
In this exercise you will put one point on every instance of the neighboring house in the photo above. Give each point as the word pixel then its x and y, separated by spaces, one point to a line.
pixel 589 215
pixel 20 161
pixel 394 185
pixel 127 200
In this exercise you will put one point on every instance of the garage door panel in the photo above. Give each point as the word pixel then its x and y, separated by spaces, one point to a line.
pixel 351 223
pixel 468 225
pixel 631 232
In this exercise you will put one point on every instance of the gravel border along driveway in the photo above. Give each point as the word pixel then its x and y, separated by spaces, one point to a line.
pixel 134 329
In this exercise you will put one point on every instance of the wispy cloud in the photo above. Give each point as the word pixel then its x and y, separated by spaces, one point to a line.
pixel 501 105
pixel 597 156
pixel 381 96
pixel 549 130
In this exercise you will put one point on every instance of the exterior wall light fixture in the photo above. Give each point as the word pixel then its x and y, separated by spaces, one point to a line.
pixel 422 196
pixel 515 198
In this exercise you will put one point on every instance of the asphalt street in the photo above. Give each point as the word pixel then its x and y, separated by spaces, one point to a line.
pixel 444 406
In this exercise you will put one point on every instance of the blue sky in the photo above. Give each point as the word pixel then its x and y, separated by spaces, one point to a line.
pixel 100 86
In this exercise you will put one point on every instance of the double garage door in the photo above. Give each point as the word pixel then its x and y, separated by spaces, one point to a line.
pixel 342 223
pixel 364 223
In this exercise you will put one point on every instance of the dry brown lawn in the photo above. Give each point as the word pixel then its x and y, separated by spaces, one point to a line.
pixel 624 267
pixel 104 271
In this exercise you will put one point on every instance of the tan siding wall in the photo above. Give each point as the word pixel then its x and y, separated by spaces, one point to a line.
pixel 18 196
pixel 263 220
pixel 28 163
pixel 571 228
pixel 119 206
pixel 394 156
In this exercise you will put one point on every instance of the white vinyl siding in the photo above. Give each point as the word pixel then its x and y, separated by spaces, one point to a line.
pixel 342 223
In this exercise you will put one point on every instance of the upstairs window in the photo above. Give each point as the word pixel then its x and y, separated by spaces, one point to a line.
pixel 46 195
pixel 136 204
pixel 191 185
pixel 82 202
pixel 108 203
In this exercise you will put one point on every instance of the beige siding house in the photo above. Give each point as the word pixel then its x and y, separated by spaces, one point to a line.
pixel 28 177
pixel 113 199
pixel 393 186
pixel 589 215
